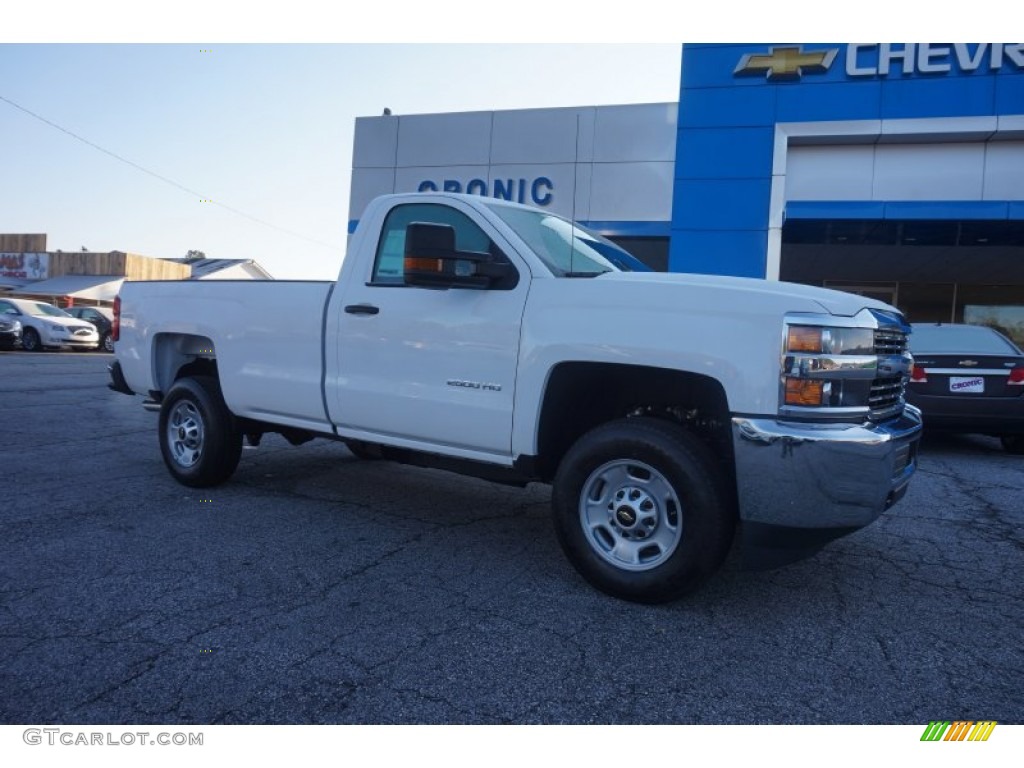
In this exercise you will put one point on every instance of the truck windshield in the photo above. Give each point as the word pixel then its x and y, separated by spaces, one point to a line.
pixel 566 248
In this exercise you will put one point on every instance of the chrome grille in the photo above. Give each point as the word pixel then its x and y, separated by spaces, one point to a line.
pixel 886 396
pixel 890 342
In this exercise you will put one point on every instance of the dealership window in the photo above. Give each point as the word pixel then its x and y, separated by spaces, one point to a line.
pixel 652 251
pixel 928 302
pixel 879 292
pixel 934 271
pixel 998 306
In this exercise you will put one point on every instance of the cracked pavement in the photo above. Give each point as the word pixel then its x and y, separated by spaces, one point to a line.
pixel 317 588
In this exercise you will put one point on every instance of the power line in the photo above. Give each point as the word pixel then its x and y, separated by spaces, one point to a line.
pixel 164 179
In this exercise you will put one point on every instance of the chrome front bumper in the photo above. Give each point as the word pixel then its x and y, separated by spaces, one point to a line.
pixel 800 485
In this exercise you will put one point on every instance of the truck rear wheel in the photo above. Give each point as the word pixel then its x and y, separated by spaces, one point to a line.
pixel 199 437
pixel 641 509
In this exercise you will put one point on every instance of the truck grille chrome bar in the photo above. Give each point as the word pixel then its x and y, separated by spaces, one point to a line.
pixel 890 342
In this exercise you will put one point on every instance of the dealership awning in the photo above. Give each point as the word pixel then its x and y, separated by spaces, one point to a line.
pixel 92 287
pixel 11 283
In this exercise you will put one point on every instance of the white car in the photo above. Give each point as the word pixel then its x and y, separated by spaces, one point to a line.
pixel 44 325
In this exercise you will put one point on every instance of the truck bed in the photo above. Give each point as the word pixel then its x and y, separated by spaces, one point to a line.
pixel 267 336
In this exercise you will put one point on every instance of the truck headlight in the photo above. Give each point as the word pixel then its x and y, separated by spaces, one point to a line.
pixel 833 341
pixel 844 368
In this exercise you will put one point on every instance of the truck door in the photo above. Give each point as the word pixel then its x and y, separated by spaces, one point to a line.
pixel 429 368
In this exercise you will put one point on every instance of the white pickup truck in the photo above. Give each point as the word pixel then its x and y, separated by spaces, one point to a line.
pixel 669 412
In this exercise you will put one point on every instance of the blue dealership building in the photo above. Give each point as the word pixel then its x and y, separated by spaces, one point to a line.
pixel 894 170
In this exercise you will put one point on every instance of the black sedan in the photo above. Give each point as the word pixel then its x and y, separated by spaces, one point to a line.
pixel 102 318
pixel 968 378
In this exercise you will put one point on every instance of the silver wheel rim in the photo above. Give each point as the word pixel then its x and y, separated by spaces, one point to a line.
pixel 631 515
pixel 108 344
pixel 185 433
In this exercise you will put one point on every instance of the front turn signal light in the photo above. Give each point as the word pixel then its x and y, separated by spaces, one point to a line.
pixel 803 338
pixel 804 391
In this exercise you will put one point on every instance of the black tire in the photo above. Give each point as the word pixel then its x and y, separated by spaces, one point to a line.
pixel 199 437
pixel 30 341
pixel 1013 444
pixel 650 538
pixel 106 343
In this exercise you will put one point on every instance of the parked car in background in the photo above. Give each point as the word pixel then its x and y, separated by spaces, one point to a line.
pixel 44 325
pixel 102 318
pixel 968 378
pixel 10 332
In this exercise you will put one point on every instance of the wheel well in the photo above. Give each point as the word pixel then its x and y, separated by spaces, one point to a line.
pixel 581 396
pixel 198 367
pixel 176 355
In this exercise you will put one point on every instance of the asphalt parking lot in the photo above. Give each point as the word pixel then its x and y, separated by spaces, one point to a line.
pixel 317 588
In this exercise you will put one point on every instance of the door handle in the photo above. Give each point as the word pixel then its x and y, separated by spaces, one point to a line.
pixel 362 309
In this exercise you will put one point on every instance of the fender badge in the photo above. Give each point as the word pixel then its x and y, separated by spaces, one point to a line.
pixel 473 385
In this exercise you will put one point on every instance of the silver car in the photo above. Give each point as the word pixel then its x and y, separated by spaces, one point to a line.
pixel 46 326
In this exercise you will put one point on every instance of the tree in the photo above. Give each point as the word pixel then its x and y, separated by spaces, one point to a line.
pixel 195 255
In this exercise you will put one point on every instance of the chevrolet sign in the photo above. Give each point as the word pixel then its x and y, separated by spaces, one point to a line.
pixel 930 58
pixel 784 63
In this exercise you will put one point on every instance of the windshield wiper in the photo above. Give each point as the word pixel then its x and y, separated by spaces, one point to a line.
pixel 586 274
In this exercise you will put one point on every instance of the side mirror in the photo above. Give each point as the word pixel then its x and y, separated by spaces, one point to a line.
pixel 431 260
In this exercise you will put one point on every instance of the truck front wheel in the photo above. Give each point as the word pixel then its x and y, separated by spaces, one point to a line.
pixel 199 437
pixel 642 510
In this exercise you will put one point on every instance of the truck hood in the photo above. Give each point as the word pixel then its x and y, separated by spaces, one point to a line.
pixel 834 302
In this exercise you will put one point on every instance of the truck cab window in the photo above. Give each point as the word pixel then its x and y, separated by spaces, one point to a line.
pixel 388 265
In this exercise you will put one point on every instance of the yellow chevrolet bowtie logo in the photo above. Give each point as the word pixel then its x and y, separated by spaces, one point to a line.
pixel 784 63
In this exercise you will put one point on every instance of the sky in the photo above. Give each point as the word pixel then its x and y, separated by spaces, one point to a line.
pixel 237 118
pixel 264 130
